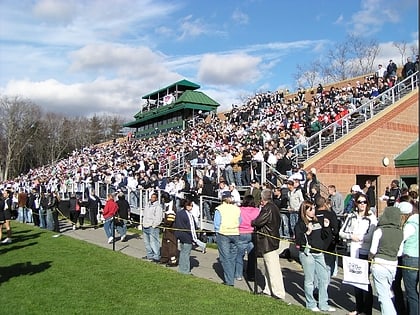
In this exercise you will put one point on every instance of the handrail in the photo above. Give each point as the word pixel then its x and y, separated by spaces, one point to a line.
pixel 366 112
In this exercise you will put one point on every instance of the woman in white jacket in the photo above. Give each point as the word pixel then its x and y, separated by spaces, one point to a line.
pixel 358 229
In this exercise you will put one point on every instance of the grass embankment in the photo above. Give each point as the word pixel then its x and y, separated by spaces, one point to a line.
pixel 42 274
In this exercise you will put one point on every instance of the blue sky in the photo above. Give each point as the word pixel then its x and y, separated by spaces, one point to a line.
pixel 86 57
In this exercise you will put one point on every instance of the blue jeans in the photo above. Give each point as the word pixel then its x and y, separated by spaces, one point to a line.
pixel 229 175
pixel 238 178
pixel 315 269
pixel 284 228
pixel 411 280
pixel 228 248
pixel 109 227
pixel 244 245
pixel 152 242
pixel 42 218
pixel 383 275
pixel 121 229
pixel 50 220
pixel 293 217
pixel 23 215
pixel 184 258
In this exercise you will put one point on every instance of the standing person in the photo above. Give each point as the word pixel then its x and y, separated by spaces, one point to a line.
pixel 43 206
pixel 358 229
pixel 295 199
pixel 110 210
pixel 50 209
pixel 336 200
pixel 184 222
pixel 350 201
pixel 386 242
pixel 169 249
pixel 5 216
pixel 322 210
pixel 369 191
pixel 226 225
pixel 268 241
pixel 255 191
pixel 410 254
pixel 310 182
pixel 74 207
pixel 22 199
pixel 53 202
pixel 393 194
pixel 249 212
pixel 391 69
pixel 123 216
pixel 93 205
pixel 152 218
pixel 312 234
pixel 32 205
pixel 409 68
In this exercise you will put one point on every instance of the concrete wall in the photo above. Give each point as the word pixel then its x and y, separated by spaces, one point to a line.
pixel 361 151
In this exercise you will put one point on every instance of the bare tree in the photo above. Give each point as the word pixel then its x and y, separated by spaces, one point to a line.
pixel 353 57
pixel 414 49
pixel 308 75
pixel 365 53
pixel 18 127
pixel 402 48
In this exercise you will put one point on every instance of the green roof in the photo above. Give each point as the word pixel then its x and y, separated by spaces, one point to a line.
pixel 409 157
pixel 181 85
pixel 196 97
pixel 189 99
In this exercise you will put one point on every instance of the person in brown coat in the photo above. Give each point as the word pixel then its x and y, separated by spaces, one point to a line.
pixel 169 248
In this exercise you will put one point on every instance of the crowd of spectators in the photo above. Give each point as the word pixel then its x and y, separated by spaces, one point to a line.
pixel 225 151
pixel 265 128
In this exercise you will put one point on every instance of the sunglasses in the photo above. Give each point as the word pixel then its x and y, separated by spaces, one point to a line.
pixel 362 202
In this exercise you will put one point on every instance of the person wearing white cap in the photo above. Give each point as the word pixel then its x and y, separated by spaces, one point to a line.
pixel 349 202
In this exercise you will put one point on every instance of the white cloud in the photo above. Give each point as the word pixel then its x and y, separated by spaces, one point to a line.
pixel 120 60
pixel 240 17
pixel 339 20
pixel 53 11
pixel 231 69
pixel 191 28
pixel 372 16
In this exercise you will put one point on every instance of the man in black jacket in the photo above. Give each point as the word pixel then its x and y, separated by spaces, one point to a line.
pixel 94 204
pixel 268 241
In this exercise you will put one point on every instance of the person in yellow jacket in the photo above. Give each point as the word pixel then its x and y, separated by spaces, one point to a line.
pixel 227 218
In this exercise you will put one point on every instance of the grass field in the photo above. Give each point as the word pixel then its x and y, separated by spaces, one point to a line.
pixel 42 274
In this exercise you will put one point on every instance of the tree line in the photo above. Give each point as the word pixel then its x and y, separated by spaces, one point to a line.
pixel 30 138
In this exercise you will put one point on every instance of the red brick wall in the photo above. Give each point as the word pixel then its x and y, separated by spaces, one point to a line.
pixel 361 151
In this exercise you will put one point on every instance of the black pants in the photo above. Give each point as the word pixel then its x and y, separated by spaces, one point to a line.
pixel 35 215
pixel 364 300
pixel 74 216
pixel 93 216
pixel 56 222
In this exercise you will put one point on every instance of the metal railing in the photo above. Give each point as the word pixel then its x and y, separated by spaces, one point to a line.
pixel 352 120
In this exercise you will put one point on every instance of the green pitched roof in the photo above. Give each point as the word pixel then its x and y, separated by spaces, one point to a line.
pixel 196 97
pixel 409 157
pixel 182 86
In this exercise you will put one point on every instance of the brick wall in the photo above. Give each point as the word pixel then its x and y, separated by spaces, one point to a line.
pixel 361 151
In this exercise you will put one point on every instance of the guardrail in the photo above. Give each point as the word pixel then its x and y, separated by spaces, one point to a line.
pixel 352 120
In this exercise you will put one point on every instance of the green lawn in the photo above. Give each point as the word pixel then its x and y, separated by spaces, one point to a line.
pixel 41 274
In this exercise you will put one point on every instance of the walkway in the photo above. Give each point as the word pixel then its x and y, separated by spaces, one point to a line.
pixel 207 266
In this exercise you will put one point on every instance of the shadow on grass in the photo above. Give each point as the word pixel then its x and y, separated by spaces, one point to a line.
pixel 21 269
pixel 7 248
